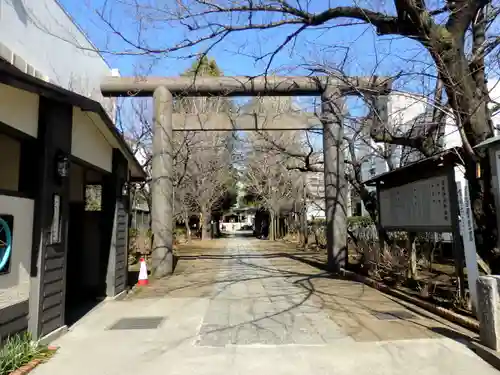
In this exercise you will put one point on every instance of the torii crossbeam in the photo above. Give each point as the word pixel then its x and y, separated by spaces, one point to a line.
pixel 331 90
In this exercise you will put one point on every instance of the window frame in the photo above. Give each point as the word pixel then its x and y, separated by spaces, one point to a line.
pixel 28 163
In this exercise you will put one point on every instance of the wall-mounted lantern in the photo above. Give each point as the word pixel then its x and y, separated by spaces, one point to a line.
pixel 62 165
pixel 125 188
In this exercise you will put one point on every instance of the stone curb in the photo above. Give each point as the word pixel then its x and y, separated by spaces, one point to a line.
pixel 23 370
pixel 487 354
pixel 461 320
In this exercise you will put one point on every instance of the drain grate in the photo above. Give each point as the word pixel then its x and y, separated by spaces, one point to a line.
pixel 394 315
pixel 150 322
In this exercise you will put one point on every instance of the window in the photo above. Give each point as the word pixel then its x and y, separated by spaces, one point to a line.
pixel 18 166
pixel 93 198
pixel 10 163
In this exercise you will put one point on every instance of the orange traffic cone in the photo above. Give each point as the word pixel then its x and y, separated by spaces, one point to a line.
pixel 143 273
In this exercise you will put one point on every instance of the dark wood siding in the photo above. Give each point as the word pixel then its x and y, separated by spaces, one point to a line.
pixel 13 319
pixel 116 221
pixel 54 136
pixel 121 247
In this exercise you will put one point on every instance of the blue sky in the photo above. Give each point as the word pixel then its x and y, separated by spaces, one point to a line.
pixel 366 50
pixel 367 53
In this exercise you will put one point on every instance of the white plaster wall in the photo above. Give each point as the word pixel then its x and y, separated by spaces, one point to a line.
pixel 451 134
pixel 88 142
pixel 14 286
pixel 45 36
pixel 19 109
pixel 494 90
pixel 315 209
pixel 404 107
pixel 451 137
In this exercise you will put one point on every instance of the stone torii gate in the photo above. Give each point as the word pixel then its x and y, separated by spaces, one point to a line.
pixel 331 90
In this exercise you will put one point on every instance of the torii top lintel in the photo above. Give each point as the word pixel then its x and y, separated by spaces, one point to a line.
pixel 245 86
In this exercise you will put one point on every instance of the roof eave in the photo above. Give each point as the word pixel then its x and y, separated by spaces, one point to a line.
pixel 10 75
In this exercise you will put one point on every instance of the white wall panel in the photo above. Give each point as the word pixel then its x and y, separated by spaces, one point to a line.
pixel 88 142
pixel 19 109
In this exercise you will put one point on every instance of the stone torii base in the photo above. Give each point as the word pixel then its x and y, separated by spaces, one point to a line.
pixel 331 90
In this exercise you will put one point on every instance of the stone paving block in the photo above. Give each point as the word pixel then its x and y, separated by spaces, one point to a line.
pixel 246 334
pixel 240 314
pixel 197 337
pixel 218 337
pixel 331 332
pixel 261 308
pixel 303 332
pixel 286 318
pixel 270 338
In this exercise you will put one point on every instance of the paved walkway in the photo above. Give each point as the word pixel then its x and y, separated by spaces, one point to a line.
pixel 244 306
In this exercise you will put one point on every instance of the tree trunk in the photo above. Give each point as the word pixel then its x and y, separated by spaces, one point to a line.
pixel 258 224
pixel 298 225
pixel 272 236
pixel 217 228
pixel 412 255
pixel 370 203
pixel 470 106
pixel 303 228
pixel 205 229
pixel 188 228
pixel 277 222
pixel 216 219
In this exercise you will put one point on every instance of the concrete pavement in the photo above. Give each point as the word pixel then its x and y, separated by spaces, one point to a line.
pixel 244 306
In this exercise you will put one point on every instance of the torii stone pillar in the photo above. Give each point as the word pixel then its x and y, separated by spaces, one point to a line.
pixel 161 184
pixel 330 88
pixel 334 176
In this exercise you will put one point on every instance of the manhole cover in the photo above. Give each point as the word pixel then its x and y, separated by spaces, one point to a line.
pixel 138 323
pixel 394 315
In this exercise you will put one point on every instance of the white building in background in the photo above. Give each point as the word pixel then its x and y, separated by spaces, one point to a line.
pixel 410 111
pixel 40 38
pixel 315 185
pixel 402 110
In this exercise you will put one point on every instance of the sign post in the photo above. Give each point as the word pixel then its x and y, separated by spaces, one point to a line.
pixel 438 203
pixel 467 231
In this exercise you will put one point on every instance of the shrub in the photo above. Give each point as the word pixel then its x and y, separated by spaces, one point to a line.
pixel 19 350
pixel 359 221
pixel 180 235
pixel 139 244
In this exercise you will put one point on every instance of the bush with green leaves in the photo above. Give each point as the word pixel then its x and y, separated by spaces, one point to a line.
pixel 19 350
pixel 180 234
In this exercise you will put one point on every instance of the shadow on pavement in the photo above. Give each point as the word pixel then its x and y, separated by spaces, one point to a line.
pixel 350 304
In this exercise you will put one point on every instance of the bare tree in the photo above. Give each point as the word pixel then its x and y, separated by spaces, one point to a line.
pixel 268 178
pixel 136 120
pixel 458 35
pixel 301 151
pixel 209 172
